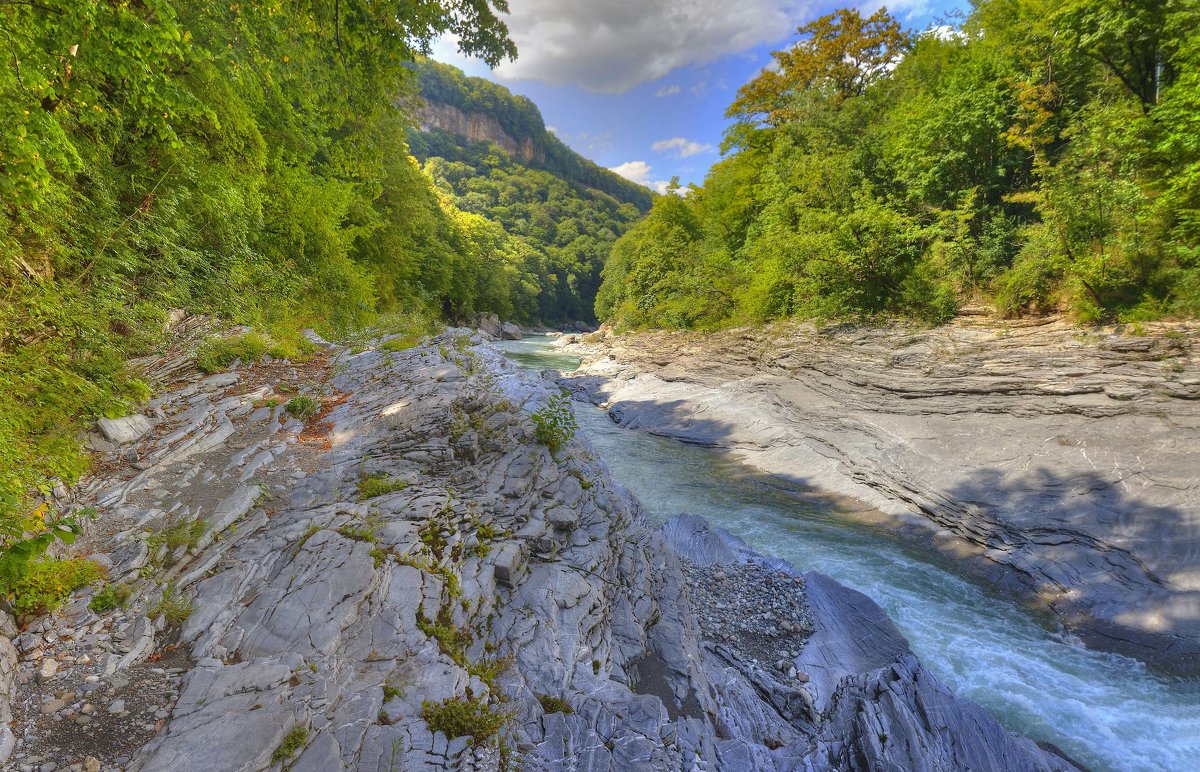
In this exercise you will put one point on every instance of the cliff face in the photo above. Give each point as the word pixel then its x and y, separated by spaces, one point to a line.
pixel 411 581
pixel 476 127
pixel 1059 463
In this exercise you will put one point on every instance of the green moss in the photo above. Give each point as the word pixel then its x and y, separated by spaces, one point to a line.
pixel 464 718
pixel 292 744
pixel 378 484
pixel 392 692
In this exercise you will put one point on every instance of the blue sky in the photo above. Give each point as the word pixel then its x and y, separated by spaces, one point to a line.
pixel 641 86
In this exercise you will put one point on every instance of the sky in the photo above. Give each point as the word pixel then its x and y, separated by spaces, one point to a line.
pixel 641 86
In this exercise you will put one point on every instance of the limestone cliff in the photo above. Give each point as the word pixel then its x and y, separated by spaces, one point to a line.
pixel 477 127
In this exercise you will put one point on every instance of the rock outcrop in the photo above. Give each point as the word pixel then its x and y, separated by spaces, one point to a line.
pixel 1062 464
pixel 477 127
pixel 408 580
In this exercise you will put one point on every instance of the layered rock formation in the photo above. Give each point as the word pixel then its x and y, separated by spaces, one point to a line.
pixel 1062 464
pixel 477 127
pixel 409 580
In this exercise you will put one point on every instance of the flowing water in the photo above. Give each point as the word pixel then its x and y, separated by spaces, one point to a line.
pixel 1104 710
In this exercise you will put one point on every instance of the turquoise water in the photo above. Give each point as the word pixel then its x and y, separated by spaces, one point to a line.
pixel 1104 710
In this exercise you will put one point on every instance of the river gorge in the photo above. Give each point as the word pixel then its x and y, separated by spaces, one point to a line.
pixel 1103 709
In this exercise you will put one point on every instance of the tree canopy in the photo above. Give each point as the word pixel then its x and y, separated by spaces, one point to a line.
pixel 1041 155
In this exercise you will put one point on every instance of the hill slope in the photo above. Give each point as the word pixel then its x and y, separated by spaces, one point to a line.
pixel 490 151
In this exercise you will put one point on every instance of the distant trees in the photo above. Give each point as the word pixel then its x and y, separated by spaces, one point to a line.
pixel 1043 155
pixel 563 231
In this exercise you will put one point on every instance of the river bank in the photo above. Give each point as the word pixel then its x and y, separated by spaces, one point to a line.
pixel 410 579
pixel 1059 464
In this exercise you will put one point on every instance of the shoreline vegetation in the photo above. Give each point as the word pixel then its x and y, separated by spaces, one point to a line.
pixel 1037 156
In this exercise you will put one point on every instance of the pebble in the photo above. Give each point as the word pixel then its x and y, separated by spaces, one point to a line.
pixel 49 669
pixel 117 706
pixel 53 706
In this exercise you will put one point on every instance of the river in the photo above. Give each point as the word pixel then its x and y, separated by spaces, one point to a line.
pixel 1106 711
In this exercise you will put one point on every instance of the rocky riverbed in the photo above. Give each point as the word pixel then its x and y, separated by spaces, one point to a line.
pixel 1062 464
pixel 409 580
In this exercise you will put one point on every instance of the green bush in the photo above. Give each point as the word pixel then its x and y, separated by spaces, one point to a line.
pixel 555 704
pixel 292 744
pixel 173 606
pixel 378 484
pixel 45 583
pixel 303 407
pixel 111 597
pixel 555 424
pixel 460 717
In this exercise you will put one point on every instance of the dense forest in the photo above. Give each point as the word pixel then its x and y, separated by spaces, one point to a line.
pixel 1041 155
pixel 209 156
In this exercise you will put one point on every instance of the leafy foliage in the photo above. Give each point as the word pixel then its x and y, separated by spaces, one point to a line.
pixel 1042 157
pixel 459 717
pixel 555 424
pixel 236 159
pixel 44 583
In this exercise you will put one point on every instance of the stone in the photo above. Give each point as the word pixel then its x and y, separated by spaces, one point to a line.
pixel 117 706
pixel 91 764
pixel 49 669
pixel 53 706
pixel 127 430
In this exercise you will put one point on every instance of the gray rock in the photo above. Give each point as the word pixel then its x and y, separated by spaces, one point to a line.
pixel 127 430
pixel 1067 458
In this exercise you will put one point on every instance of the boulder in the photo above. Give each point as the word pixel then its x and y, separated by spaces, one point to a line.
pixel 127 430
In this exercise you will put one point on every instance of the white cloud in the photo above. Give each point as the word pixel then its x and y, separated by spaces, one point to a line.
pixel 680 147
pixel 611 46
pixel 552 129
pixel 666 91
pixel 639 172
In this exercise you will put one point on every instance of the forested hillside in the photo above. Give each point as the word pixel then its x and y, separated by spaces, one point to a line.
pixel 565 210
pixel 243 160
pixel 520 119
pixel 1043 156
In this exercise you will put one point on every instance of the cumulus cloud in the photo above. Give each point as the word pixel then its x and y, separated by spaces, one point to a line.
pixel 639 172
pixel 666 91
pixel 679 147
pixel 614 45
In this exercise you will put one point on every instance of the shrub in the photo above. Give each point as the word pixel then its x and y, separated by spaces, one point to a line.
pixel 292 744
pixel 555 704
pixel 378 484
pixel 45 583
pixel 555 423
pixel 460 717
pixel 111 597
pixel 303 407
pixel 403 343
pixel 173 606
pixel 216 354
